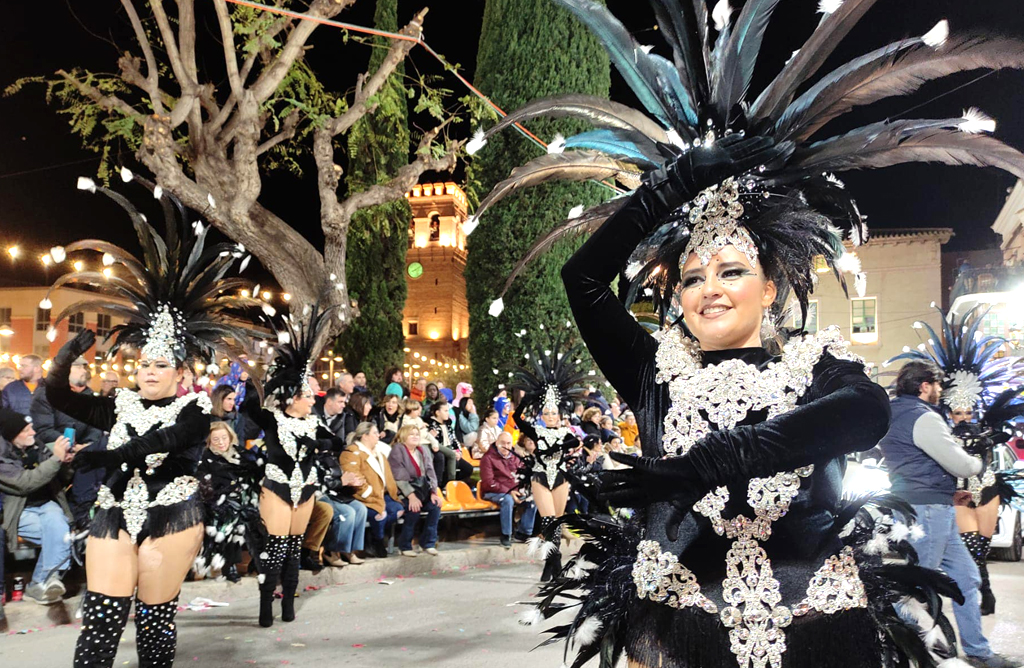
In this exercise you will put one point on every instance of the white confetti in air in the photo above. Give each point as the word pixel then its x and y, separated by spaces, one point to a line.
pixel 51 335
pixel 126 174
pixel 85 183
pixel 269 310
pixel 496 307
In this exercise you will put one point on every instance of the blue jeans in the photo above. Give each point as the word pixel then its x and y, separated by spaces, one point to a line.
pixel 348 528
pixel 391 510
pixel 508 506
pixel 47 527
pixel 942 549
pixel 432 515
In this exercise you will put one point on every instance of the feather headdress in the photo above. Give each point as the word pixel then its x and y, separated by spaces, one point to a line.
pixel 175 300
pixel 703 93
pixel 553 379
pixel 298 342
pixel 972 373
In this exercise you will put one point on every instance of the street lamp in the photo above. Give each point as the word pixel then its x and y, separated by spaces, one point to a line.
pixel 5 330
pixel 14 252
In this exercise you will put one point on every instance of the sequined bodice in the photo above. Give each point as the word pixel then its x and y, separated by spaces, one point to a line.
pixel 290 443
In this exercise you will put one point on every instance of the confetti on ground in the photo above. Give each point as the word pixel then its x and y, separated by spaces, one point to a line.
pixel 358 645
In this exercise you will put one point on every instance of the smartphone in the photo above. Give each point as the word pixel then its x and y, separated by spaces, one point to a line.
pixel 69 433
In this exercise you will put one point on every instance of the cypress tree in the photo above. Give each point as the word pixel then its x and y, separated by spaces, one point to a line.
pixel 528 49
pixel 378 145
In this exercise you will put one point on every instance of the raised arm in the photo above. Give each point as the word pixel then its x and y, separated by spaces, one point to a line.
pixel 253 409
pixel 522 423
pixel 95 411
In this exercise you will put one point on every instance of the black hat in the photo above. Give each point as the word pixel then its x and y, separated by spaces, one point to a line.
pixel 12 423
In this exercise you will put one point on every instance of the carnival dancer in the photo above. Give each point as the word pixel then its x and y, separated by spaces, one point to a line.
pixel 737 558
pixel 148 521
pixel 976 383
pixel 550 389
pixel 292 436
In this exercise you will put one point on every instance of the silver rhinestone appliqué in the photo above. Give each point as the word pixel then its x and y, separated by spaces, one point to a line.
pixel 714 217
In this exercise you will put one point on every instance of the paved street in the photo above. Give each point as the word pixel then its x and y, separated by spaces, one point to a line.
pixel 458 619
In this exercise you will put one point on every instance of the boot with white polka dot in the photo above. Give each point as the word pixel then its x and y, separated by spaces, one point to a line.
pixel 103 620
pixel 271 559
pixel 156 634
pixel 290 578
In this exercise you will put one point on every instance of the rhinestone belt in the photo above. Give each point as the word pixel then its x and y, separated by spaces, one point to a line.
pixel 135 503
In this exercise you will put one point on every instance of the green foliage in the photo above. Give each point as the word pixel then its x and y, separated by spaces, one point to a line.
pixel 378 145
pixel 528 49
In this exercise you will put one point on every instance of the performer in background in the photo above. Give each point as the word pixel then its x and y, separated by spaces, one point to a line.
pixel 148 521
pixel 292 436
pixel 735 557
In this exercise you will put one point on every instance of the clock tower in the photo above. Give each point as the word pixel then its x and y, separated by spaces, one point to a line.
pixel 436 316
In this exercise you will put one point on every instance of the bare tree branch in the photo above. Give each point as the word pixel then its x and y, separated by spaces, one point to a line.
pixel 291 123
pixel 151 84
pixel 109 102
pixel 187 40
pixel 170 45
pixel 227 39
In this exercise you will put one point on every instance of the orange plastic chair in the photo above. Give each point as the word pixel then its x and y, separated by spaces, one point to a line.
pixel 460 492
pixel 480 497
pixel 469 458
pixel 446 505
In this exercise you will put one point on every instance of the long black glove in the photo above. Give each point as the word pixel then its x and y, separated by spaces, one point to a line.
pixel 648 480
pixel 191 428
pixel 74 348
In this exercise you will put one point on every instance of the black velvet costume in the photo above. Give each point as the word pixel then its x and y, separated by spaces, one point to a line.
pixel 841 411
pixel 163 457
pixel 552 446
pixel 231 492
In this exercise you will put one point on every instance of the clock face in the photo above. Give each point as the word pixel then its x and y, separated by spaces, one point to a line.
pixel 415 270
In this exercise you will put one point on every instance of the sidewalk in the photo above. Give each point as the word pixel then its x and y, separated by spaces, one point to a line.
pixel 28 617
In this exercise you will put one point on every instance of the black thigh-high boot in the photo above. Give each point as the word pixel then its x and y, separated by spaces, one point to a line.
pixel 156 634
pixel 978 546
pixel 545 545
pixel 274 554
pixel 103 620
pixel 290 579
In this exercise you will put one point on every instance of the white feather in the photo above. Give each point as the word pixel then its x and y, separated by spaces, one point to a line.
pixel 284 338
pixel 217 562
pixel 937 35
pixel 245 263
pixel 126 174
pixel 269 310
pixel 158 192
pixel 587 632
pixel 51 334
pixel 209 198
pixel 848 263
pixel 470 225
pixel 85 183
pixel 828 6
pixel 531 617
pixel 576 211
pixel 533 546
pixel 911 607
pixel 877 545
pixel 557 144
pixel 976 121
pixel 579 569
pixel 935 638
pixel 496 307
pixel 954 663
pixel 57 254
pixel 916 532
pixel 720 14
pixel 899 531
pixel 476 143
pixel 860 284
pixel 46 303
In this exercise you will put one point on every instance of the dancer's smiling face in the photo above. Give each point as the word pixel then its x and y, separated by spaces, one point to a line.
pixel 724 300
pixel 157 378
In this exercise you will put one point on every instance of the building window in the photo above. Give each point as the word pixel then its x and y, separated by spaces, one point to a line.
pixel 435 227
pixel 5 316
pixel 76 322
pixel 812 317
pixel 864 321
pixel 414 328
pixel 42 319
pixel 102 324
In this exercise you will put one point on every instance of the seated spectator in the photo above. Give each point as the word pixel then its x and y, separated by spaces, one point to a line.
pixel 394 377
pixel 359 383
pixel 378 491
pixel 489 431
pixel 109 384
pixel 413 415
pixel 447 459
pixel 388 417
pixel 7 376
pixel 413 467
pixel 466 421
pixel 499 482
pixel 590 423
pixel 51 424
pixel 17 395
pixel 346 383
pixel 607 428
pixel 32 480
pixel 347 530
pixel 431 396
pixel 629 428
pixel 313 539
pixel 503 406
pixel 332 412
pixel 418 391
pixel 576 419
pixel 225 409
pixel 360 405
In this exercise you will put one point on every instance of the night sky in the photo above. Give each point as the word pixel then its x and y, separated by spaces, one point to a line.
pixel 40 159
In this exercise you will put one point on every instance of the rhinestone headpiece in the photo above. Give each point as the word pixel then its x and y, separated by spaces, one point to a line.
pixel 714 224
pixel 552 398
pixel 963 392
pixel 163 334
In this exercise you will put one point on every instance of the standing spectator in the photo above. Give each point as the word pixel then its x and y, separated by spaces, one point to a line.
pixel 7 376
pixel 629 428
pixel 417 483
pixel 225 409
pixel 378 492
pixel 499 482
pixel 17 396
pixel 332 412
pixel 32 480
pixel 359 383
pixel 346 383
pixel 394 377
pixel 418 392
pixel 389 417
pixel 51 424
pixel 924 461
pixel 431 396
pixel 109 383
pixel 489 432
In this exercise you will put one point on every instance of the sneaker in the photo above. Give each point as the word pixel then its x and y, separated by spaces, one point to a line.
pixel 410 553
pixel 506 542
pixel 994 661
pixel 38 593
pixel 432 551
pixel 54 586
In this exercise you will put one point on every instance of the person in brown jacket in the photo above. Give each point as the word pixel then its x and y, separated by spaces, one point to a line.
pixel 379 491
pixel 499 482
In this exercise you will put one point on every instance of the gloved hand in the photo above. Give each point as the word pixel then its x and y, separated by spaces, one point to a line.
pixel 680 181
pixel 88 460
pixel 649 480
pixel 74 348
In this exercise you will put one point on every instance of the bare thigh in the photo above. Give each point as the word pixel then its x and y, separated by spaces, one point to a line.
pixel 280 517
pixel 165 561
pixel 966 519
pixel 543 500
pixel 988 517
pixel 111 565
pixel 560 495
